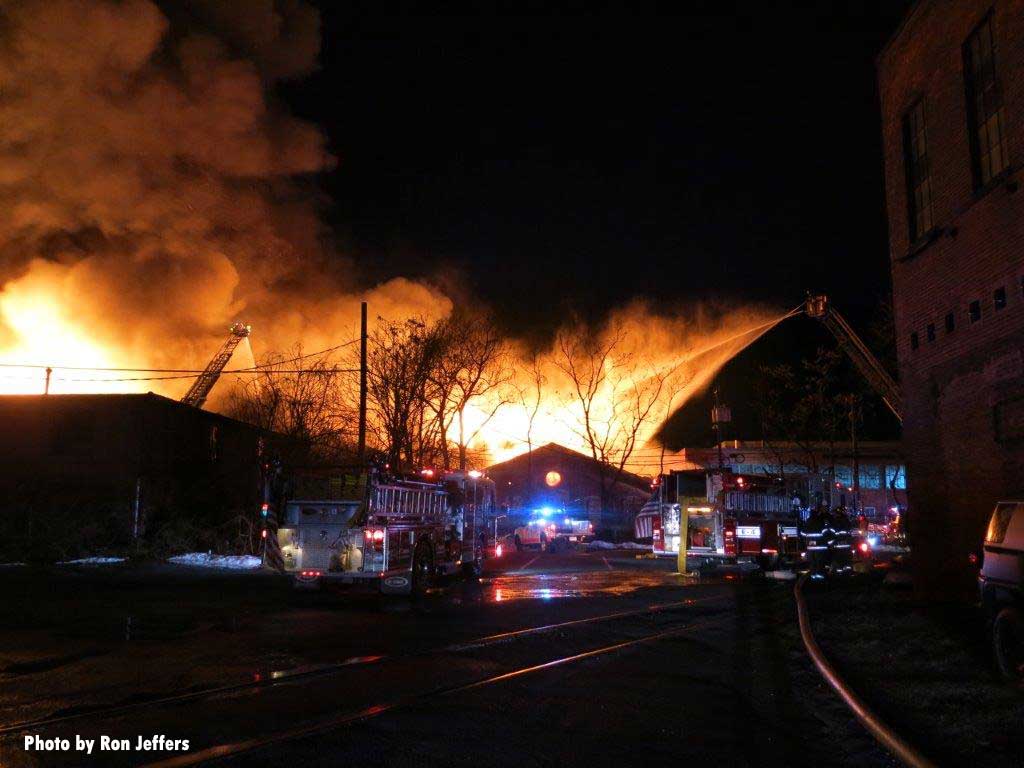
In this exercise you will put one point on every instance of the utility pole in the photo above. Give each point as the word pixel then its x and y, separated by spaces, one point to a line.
pixel 362 384
pixel 46 389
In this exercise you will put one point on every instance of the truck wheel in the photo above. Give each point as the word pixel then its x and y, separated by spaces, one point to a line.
pixel 519 544
pixel 422 570
pixel 555 546
pixel 543 542
pixel 1008 644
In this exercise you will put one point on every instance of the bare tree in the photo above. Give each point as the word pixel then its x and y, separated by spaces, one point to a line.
pixel 307 403
pixel 616 392
pixel 470 366
pixel 530 396
pixel 399 361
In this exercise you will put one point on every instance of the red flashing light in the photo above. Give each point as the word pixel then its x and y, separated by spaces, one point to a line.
pixel 497 551
pixel 263 534
pixel 864 547
pixel 378 535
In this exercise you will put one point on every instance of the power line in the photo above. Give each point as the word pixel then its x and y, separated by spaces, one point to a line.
pixel 253 369
pixel 311 372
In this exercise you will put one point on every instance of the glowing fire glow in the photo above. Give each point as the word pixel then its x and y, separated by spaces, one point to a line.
pixel 40 330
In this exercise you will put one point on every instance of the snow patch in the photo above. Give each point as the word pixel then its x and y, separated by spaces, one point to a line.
pixel 93 561
pixel 594 545
pixel 208 560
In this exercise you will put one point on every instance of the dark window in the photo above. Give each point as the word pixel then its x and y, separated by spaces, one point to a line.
pixel 985 114
pixel 914 343
pixel 974 311
pixel 950 322
pixel 999 298
pixel 919 184
pixel 931 331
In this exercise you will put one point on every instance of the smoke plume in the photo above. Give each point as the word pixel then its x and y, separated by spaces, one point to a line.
pixel 152 191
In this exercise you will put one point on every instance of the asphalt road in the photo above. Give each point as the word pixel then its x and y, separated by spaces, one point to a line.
pixel 576 658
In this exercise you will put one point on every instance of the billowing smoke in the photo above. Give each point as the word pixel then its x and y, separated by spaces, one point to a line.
pixel 152 191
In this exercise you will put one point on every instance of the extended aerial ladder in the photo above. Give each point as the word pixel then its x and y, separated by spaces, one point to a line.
pixel 819 308
pixel 201 387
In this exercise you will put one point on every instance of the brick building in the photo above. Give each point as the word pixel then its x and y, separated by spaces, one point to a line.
pixel 553 474
pixel 951 84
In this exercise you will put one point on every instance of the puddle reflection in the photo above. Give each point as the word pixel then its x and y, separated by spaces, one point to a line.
pixel 502 589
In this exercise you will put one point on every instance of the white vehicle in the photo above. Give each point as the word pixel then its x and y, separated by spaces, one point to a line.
pixel 392 534
pixel 1001 586
pixel 552 529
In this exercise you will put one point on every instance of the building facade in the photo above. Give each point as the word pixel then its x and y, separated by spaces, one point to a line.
pixel 951 84
pixel 95 470
pixel 553 474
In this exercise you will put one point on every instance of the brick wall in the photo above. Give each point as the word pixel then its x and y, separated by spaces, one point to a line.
pixel 954 386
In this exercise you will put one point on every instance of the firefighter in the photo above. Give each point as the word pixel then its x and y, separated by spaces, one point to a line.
pixel 842 556
pixel 812 533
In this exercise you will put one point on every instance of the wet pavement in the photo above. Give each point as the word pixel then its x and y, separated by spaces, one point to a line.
pixel 390 681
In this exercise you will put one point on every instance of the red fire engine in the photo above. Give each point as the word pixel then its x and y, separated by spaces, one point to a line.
pixel 730 518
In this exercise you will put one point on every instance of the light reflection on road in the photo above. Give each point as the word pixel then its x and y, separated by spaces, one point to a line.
pixel 548 586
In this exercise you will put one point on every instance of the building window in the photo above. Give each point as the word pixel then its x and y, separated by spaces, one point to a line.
pixel 931 331
pixel 844 475
pixel 870 477
pixel 974 311
pixel 999 298
pixel 987 123
pixel 950 322
pixel 919 184
pixel 896 477
pixel 914 343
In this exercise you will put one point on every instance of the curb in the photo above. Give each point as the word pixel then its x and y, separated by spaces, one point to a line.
pixel 882 733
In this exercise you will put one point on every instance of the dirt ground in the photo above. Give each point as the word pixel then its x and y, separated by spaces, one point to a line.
pixel 925 669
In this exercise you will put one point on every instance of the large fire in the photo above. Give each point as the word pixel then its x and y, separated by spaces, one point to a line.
pixel 153 192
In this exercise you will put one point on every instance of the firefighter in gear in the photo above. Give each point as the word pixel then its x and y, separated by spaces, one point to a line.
pixel 842 542
pixel 812 534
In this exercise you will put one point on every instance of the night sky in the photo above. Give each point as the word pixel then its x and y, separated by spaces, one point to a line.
pixel 570 163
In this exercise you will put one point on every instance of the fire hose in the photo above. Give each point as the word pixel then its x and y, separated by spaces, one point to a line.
pixel 882 733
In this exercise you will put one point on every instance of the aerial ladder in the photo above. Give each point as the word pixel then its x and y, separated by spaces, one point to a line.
pixel 201 387
pixel 819 308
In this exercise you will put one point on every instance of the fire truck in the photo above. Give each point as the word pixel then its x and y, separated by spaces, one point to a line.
pixel 391 533
pixel 553 529
pixel 730 518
